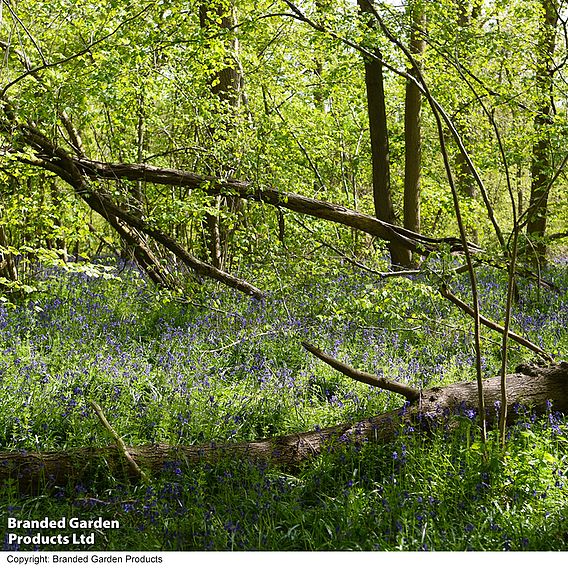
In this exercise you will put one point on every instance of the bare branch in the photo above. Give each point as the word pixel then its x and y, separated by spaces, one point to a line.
pixel 410 393
pixel 119 441
pixel 495 326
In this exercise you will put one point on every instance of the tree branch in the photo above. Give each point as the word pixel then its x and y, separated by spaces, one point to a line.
pixel 410 393
pixel 247 190
pixel 495 326
pixel 58 161
pixel 119 441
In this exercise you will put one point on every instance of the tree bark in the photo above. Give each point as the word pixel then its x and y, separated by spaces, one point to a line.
pixel 379 141
pixel 541 162
pixel 380 157
pixel 412 129
pixel 8 268
pixel 530 386
pixel 226 84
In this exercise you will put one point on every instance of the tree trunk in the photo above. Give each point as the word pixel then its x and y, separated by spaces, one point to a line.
pixel 541 162
pixel 412 130
pixel 8 268
pixel 531 386
pixel 226 84
pixel 379 141
pixel 380 158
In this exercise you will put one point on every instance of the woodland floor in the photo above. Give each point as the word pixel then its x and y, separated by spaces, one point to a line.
pixel 227 368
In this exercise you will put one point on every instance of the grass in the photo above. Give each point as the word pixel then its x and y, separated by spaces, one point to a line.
pixel 224 367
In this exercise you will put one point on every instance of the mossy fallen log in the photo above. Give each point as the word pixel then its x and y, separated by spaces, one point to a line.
pixel 540 388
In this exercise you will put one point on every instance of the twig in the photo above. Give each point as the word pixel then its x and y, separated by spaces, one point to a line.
pixel 355 262
pixel 119 442
pixel 241 340
pixel 440 323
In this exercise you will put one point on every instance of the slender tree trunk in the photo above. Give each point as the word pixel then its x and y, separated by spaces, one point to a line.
pixel 227 85
pixel 140 143
pixel 60 243
pixel 541 162
pixel 380 157
pixel 412 130
pixel 379 141
pixel 214 234
pixel 226 82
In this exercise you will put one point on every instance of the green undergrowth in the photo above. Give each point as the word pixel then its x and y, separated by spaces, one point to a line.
pixel 221 367
pixel 438 492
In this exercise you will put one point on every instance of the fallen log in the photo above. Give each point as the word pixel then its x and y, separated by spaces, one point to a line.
pixel 272 196
pixel 531 386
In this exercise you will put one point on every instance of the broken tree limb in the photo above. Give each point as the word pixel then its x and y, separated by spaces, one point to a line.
pixel 495 326
pixel 410 393
pixel 530 386
pixel 55 159
pixel 247 190
pixel 143 255
pixel 103 205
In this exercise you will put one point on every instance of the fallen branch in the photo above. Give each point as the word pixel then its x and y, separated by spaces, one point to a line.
pixel 103 205
pixel 530 386
pixel 496 327
pixel 246 190
pixel 119 441
pixel 55 159
pixel 410 393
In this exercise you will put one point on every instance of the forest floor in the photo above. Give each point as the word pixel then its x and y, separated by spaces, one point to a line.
pixel 224 367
